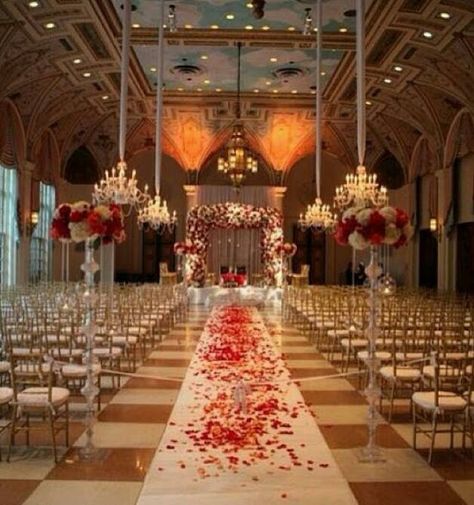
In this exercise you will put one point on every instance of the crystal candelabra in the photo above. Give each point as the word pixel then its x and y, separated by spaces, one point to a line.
pixel 317 217
pixel 157 216
pixel 361 190
pixel 90 389
pixel 117 188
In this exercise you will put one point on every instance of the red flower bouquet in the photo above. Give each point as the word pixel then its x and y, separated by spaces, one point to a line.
pixel 287 249
pixel 60 224
pixel 233 279
pixel 182 248
pixel 363 227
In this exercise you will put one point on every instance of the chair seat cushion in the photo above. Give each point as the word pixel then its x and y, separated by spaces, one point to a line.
pixel 26 351
pixel 381 355
pixel 447 401
pixel 408 356
pixel 38 396
pixel 122 340
pixel 338 333
pixel 6 394
pixel 401 373
pixel 107 351
pixel 32 368
pixel 4 366
pixel 73 370
pixel 354 342
pixel 64 353
pixel 444 371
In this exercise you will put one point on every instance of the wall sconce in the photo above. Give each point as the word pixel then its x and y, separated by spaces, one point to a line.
pixel 435 228
pixel 33 222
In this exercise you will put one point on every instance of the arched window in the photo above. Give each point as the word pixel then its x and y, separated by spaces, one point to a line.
pixel 41 247
pixel 9 235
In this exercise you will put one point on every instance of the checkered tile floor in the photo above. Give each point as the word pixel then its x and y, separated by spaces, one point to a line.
pixel 132 421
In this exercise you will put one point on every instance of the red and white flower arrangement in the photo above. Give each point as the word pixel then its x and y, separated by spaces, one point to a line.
pixel 233 279
pixel 364 227
pixel 230 215
pixel 287 249
pixel 81 221
pixel 183 248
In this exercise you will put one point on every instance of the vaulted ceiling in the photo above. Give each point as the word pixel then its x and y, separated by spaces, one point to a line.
pixel 63 78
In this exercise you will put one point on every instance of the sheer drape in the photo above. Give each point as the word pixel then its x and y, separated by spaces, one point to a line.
pixel 9 234
pixel 234 248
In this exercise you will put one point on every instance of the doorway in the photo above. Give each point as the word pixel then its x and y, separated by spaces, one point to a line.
pixel 428 260
pixel 157 249
pixel 464 259
pixel 311 251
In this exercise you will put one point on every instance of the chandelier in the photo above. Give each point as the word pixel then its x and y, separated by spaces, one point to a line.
pixel 318 216
pixel 239 161
pixel 155 213
pixel 157 216
pixel 117 187
pixel 361 190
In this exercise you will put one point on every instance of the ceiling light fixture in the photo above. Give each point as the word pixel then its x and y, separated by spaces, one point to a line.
pixel 77 61
pixel 218 90
pixel 427 35
pixel 50 25
pixel 294 91
pixel 207 81
pixel 318 216
pixel 256 90
pixel 238 161
pixel 368 102
pixel 387 80
pixel 249 27
pixel 273 59
pixel 343 29
pixel 188 26
pixel 105 97
pixel 398 68
pixel 249 5
pixel 204 57
pixel 214 27
pixel 445 15
pixel 86 74
pixel 152 69
pixel 155 213
pixel 265 28
pixel 291 28
pixel 136 25
pixel 230 16
pixel 33 5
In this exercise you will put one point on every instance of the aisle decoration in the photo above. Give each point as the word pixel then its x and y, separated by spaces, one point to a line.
pixel 286 252
pixel 81 222
pixel 287 249
pixel 233 280
pixel 230 215
pixel 243 414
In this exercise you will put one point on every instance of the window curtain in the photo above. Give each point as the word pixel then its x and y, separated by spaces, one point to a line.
pixel 235 248
pixel 9 233
pixel 41 252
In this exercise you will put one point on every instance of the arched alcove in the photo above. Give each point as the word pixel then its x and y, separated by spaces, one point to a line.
pixel 81 167
pixel 389 171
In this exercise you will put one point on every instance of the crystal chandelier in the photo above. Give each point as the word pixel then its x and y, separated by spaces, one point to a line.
pixel 318 216
pixel 361 190
pixel 155 213
pixel 239 161
pixel 117 187
pixel 157 216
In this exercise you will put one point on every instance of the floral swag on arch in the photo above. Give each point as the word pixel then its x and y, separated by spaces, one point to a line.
pixel 203 218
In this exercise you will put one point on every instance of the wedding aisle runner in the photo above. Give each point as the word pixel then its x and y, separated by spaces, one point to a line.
pixel 240 432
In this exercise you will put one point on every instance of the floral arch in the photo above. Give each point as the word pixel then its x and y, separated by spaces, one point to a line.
pixel 203 218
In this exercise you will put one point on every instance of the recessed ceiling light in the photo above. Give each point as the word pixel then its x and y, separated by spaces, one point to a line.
pixel 291 28
pixel 273 59
pixel 427 35
pixel 387 80
pixel 77 61
pixel 315 29
pixel 268 83
pixel 188 26
pixel 445 15
pixel 343 29
pixel 50 25
pixel 86 74
pixel 152 69
pixel 398 68
pixel 207 81
pixel 249 5
pixel 275 91
pixel 218 90
pixel 136 25
pixel 204 57
pixel 313 91
pixel 105 97
pixel 294 91
pixel 199 89
pixel 265 27
pixel 230 16
pixel 249 27
pixel 323 73
pixel 368 102
pixel 256 90
pixel 33 5
pixel 180 89
pixel 214 27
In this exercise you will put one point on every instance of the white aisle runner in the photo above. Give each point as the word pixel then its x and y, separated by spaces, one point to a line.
pixel 274 452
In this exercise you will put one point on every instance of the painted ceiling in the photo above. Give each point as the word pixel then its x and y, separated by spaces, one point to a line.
pixel 236 14
pixel 215 68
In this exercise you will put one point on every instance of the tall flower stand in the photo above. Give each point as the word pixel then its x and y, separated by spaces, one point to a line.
pixel 90 389
pixel 372 453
